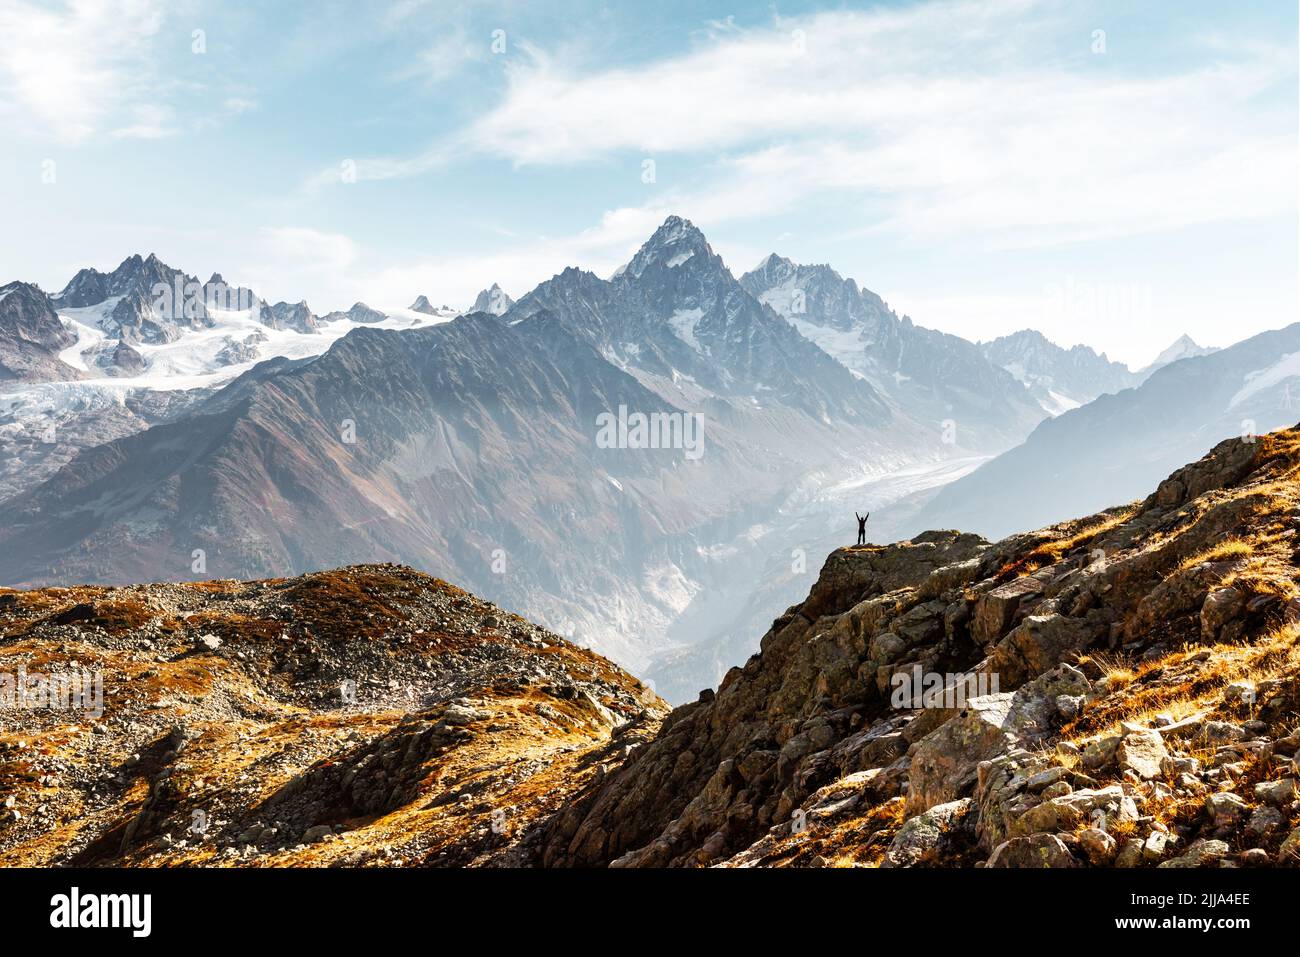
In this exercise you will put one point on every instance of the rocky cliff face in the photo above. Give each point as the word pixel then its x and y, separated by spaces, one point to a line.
pixel 368 716
pixel 1145 708
pixel 31 336
pixel 937 377
pixel 1058 378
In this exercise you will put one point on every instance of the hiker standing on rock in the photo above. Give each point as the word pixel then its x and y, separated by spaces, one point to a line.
pixel 862 527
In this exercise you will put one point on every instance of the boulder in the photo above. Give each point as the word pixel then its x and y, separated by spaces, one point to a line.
pixel 1203 853
pixel 1265 820
pixel 1039 643
pixel 996 609
pixel 1221 606
pixel 1155 845
pixel 1099 753
pixel 1130 855
pixel 1036 850
pixel 1277 793
pixel 1290 849
pixel 945 763
pixel 1098 845
pixel 1104 806
pixel 934 836
pixel 1224 807
pixel 1142 753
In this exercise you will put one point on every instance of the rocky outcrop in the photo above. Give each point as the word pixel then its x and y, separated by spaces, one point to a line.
pixel 359 312
pixel 1058 637
pixel 31 336
pixel 493 300
pixel 124 360
pixel 296 316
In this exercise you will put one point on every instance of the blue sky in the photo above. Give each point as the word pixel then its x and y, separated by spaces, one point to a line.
pixel 983 165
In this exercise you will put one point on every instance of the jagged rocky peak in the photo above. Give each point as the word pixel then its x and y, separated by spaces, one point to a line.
pixel 359 312
pixel 145 300
pixel 31 336
pixel 90 286
pixel 772 271
pixel 817 294
pixel 1184 347
pixel 493 300
pixel 1031 342
pixel 297 316
pixel 1059 378
pixel 124 360
pixel 932 374
pixel 673 244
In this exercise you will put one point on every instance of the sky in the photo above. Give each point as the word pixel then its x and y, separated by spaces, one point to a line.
pixel 1109 173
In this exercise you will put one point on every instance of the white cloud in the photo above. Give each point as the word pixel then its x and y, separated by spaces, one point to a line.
pixel 939 118
pixel 445 56
pixel 149 122
pixel 234 105
pixel 298 248
pixel 69 69
pixel 456 280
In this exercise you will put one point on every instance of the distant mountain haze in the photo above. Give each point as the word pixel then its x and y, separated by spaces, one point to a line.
pixel 207 434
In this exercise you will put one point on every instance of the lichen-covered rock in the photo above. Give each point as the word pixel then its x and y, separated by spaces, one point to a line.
pixel 945 763
pixel 1041 642
pixel 1204 853
pixel 1036 850
pixel 1100 847
pixel 1102 807
pixel 1142 753
pixel 1221 606
pixel 930 837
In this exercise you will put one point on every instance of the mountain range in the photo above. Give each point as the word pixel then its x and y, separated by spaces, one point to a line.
pixel 231 438
pixel 1118 690
pixel 1113 448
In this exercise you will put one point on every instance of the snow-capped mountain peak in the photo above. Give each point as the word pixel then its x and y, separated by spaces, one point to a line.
pixel 493 300
pixel 1184 347
pixel 1060 379
pixel 945 376
pixel 673 244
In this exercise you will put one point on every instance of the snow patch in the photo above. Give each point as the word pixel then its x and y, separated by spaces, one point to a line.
pixel 1056 403
pixel 683 323
pixel 89 339
pixel 1285 368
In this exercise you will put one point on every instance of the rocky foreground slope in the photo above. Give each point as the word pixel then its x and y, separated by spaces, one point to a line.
pixel 1147 712
pixel 367 716
pixel 1135 703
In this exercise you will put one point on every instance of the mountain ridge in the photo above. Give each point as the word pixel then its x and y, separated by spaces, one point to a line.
pixel 1144 665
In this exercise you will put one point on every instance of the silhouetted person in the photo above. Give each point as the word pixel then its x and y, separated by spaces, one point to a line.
pixel 862 527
